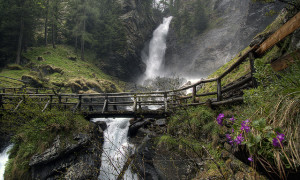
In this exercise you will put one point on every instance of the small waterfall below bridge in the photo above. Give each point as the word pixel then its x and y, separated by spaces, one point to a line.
pixel 116 149
pixel 3 160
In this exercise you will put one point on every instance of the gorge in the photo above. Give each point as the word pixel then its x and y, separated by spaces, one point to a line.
pixel 190 39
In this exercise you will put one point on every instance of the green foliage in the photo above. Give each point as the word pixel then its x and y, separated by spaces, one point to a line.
pixel 35 132
pixel 189 129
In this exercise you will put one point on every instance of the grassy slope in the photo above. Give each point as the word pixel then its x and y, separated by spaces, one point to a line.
pixel 57 58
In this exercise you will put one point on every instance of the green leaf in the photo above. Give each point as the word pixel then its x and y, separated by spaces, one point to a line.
pixel 257 139
pixel 267 128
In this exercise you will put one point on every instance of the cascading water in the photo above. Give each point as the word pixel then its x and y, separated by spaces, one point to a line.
pixel 3 161
pixel 157 49
pixel 116 149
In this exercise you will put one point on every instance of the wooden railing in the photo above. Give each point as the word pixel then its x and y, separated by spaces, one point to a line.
pixel 132 104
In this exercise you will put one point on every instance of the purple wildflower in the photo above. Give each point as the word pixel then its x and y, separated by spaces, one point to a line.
pixel 250 159
pixel 245 126
pixel 232 119
pixel 279 137
pixel 232 131
pixel 239 139
pixel 220 119
pixel 229 139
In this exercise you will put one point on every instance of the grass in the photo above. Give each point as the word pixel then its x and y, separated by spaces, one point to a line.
pixel 59 58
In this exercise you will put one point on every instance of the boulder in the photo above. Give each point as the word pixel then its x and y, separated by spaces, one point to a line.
pixel 40 58
pixel 72 58
pixel 47 69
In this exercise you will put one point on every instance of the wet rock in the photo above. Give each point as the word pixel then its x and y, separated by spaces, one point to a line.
pixel 143 162
pixel 133 128
pixel 160 122
pixel 32 81
pixel 101 124
pixel 79 158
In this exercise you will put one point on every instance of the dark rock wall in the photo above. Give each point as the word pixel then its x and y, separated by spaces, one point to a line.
pixel 79 158
pixel 139 23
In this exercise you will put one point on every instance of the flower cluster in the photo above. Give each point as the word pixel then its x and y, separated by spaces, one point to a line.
pixel 245 126
pixel 232 119
pixel 229 139
pixel 239 139
pixel 278 140
pixel 220 119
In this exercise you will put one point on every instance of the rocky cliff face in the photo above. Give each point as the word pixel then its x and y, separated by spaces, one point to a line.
pixel 231 26
pixel 79 158
pixel 139 22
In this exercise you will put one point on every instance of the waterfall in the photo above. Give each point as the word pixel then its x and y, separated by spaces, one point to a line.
pixel 157 49
pixel 3 161
pixel 116 149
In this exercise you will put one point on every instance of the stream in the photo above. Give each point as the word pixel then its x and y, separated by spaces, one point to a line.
pixel 116 149
pixel 3 160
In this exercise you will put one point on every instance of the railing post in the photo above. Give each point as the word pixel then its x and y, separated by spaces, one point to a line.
pixel 134 103
pixel 114 106
pixel 166 101
pixel 252 68
pixel 79 101
pixel 91 106
pixel 3 90
pixel 36 91
pixel 59 100
pixel 219 90
pixel 66 102
pixel 139 102
pixel 194 94
pixel 51 99
pixel 105 105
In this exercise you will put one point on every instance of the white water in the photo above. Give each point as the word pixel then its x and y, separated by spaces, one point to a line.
pixel 157 49
pixel 3 161
pixel 116 149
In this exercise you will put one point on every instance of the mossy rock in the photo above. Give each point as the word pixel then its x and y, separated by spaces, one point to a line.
pixel 32 81
pixel 47 69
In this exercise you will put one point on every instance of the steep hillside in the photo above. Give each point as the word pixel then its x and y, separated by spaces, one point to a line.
pixel 227 28
pixel 59 68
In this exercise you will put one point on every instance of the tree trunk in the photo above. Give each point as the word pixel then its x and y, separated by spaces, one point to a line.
pixel 46 23
pixel 53 35
pixel 82 36
pixel 76 42
pixel 19 50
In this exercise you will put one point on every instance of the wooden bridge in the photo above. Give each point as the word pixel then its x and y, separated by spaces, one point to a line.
pixel 144 104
